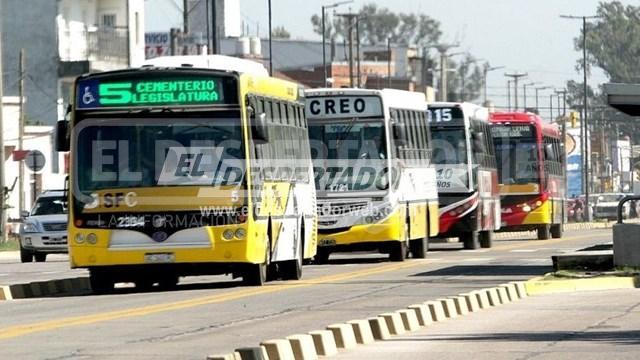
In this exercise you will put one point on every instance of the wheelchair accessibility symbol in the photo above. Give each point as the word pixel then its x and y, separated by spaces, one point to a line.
pixel 87 96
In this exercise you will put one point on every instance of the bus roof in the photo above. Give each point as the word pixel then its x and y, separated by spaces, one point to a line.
pixel 391 98
pixel 217 62
pixel 525 117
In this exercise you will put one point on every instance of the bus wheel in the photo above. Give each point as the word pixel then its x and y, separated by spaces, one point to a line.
pixel 144 285
pixel 101 283
pixel 486 239
pixel 470 240
pixel 292 269
pixel 322 256
pixel 398 251
pixel 419 247
pixel 168 282
pixel 544 232
pixel 556 231
pixel 255 275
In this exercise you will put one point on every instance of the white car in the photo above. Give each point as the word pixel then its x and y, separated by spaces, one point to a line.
pixel 606 206
pixel 44 230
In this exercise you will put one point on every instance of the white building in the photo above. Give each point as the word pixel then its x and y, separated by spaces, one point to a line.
pixel 39 138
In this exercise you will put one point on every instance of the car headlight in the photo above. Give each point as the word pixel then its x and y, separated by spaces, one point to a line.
pixel 29 228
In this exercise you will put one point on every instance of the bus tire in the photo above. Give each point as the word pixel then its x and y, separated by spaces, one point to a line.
pixel 168 282
pixel 544 232
pixel 486 239
pixel 556 231
pixel 398 251
pixel 292 269
pixel 255 275
pixel 419 247
pixel 322 256
pixel 144 285
pixel 470 240
pixel 101 283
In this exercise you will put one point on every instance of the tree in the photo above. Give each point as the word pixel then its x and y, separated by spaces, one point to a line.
pixel 466 82
pixel 279 32
pixel 613 41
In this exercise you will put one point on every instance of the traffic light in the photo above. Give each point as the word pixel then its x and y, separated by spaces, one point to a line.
pixel 574 116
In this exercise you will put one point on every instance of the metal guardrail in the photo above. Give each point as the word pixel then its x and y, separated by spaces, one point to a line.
pixel 621 204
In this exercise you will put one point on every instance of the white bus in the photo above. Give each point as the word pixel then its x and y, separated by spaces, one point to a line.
pixel 375 184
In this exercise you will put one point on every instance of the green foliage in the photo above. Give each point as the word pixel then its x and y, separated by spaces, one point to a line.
pixel 613 41
pixel 465 84
pixel 279 32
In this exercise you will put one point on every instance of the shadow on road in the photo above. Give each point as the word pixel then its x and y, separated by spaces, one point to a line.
pixel 489 270
pixel 617 337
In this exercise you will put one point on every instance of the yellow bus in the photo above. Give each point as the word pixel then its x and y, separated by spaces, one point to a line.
pixel 198 166
pixel 374 179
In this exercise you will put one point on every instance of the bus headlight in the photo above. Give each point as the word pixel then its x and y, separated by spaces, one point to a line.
pixel 92 238
pixel 526 208
pixel 227 234
pixel 79 238
pixel 240 233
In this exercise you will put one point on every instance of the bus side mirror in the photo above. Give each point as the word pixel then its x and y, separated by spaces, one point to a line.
pixel 399 133
pixel 548 151
pixel 62 135
pixel 260 128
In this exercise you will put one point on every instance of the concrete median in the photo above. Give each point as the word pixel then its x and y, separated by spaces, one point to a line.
pixel 303 347
pixel 379 328
pixel 437 310
pixel 362 331
pixel 324 342
pixel 278 349
pixel 409 320
pixel 422 313
pixel 343 335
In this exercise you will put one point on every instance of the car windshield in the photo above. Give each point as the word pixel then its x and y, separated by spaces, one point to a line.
pixel 49 205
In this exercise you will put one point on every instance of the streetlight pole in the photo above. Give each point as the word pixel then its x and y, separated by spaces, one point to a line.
pixel 585 107
pixel 270 44
pixel 538 89
pixel 516 77
pixel 509 94
pixel 484 78
pixel 324 41
pixel 524 93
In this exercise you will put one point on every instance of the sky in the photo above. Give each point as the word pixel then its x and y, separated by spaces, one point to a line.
pixel 522 35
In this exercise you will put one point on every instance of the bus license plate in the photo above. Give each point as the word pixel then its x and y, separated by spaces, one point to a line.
pixel 327 242
pixel 159 258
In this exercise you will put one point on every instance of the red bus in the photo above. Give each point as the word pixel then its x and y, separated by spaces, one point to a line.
pixel 531 167
pixel 466 173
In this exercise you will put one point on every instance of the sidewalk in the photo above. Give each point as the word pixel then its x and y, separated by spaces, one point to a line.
pixel 584 325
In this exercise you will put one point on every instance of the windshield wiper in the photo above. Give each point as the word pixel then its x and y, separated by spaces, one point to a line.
pixel 345 132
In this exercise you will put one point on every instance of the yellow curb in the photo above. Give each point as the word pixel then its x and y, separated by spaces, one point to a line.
pixel 472 302
pixel 437 310
pixel 324 342
pixel 379 328
pixel 409 319
pixel 362 331
pixel 394 323
pixel 540 286
pixel 449 308
pixel 303 347
pixel 422 313
pixel 344 336
pixel 278 349
pixel 461 305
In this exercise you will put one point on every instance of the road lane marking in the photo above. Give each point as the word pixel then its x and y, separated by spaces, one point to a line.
pixel 524 250
pixel 21 330
pixel 508 247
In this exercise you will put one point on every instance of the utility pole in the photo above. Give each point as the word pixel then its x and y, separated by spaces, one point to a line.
pixel 350 17
pixel 484 77
pixel 358 49
pixel 524 93
pixel 270 44
pixel 509 94
pixel 3 215
pixel 442 49
pixel 389 62
pixel 563 92
pixel 585 111
pixel 538 89
pixel 185 26
pixel 21 132
pixel 516 77
pixel 324 41
pixel 551 107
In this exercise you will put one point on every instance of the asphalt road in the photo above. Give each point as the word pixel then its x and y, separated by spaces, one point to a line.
pixel 215 314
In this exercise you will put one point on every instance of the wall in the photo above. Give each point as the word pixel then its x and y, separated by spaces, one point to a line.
pixel 33 28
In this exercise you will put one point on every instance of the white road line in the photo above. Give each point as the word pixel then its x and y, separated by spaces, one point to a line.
pixel 4 274
pixel 524 250
pixel 475 251
pixel 477 259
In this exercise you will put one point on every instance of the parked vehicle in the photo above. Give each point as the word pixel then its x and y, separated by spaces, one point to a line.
pixel 44 229
pixel 606 206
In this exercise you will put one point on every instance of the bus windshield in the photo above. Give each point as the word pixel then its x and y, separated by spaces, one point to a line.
pixel 449 146
pixel 132 153
pixel 346 153
pixel 516 154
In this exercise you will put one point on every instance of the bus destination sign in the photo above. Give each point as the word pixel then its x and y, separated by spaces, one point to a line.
pixel 95 93
pixel 499 131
